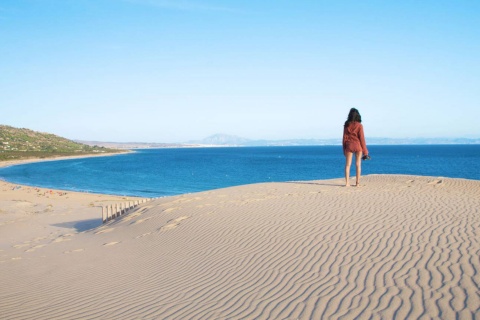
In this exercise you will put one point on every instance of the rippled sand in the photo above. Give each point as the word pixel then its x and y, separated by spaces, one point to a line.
pixel 403 247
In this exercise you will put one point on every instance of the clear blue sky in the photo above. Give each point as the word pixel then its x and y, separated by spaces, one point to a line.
pixel 171 71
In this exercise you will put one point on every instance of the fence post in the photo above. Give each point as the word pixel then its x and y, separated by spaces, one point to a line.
pixel 112 211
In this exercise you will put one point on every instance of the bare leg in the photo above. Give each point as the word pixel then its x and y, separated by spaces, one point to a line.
pixel 358 165
pixel 348 163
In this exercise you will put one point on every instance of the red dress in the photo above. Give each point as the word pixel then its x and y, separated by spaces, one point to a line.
pixel 353 138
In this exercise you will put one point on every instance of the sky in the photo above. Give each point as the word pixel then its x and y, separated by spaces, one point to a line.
pixel 174 71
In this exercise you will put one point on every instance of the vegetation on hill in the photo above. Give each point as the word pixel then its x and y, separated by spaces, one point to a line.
pixel 16 143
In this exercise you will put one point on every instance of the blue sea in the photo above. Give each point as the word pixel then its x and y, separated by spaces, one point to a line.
pixel 166 172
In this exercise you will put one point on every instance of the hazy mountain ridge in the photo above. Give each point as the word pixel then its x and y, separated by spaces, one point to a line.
pixel 222 139
pixel 229 140
pixel 225 140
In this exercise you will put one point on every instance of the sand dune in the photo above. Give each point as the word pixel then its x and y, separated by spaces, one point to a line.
pixel 399 247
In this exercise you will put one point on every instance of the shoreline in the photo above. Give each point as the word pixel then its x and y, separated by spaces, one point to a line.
pixel 9 163
pixel 52 208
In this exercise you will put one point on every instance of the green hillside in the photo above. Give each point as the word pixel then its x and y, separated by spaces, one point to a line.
pixel 16 143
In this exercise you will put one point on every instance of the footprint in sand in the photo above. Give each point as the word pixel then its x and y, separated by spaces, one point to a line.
pixel 61 239
pixel 69 235
pixel 171 209
pixel 23 245
pixel 143 235
pixel 169 227
pixel 140 221
pixel 76 250
pixel 35 248
pixel 436 182
pixel 104 231
pixel 111 243
pixel 408 183
pixel 144 209
pixel 130 217
pixel 172 224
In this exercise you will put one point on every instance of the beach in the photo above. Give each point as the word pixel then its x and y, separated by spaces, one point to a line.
pixel 7 163
pixel 398 247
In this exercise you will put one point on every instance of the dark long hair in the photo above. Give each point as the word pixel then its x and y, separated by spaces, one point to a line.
pixel 353 116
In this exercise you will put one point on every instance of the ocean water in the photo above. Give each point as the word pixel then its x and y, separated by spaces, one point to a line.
pixel 166 172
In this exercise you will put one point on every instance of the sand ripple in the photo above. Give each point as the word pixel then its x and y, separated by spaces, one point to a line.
pixel 400 247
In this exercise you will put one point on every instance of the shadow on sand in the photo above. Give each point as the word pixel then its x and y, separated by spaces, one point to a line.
pixel 317 183
pixel 81 225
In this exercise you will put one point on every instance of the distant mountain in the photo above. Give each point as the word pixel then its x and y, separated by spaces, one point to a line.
pixel 21 143
pixel 229 140
pixel 226 140
pixel 401 141
pixel 222 140
pixel 294 142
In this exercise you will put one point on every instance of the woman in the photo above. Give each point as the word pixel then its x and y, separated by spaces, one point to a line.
pixel 354 142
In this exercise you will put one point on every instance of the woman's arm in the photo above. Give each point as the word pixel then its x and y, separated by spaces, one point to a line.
pixel 361 137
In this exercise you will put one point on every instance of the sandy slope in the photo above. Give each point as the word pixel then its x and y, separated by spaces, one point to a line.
pixel 401 247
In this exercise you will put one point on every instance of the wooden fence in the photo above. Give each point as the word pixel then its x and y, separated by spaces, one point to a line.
pixel 113 211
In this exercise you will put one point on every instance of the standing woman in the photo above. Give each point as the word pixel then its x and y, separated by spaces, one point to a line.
pixel 354 142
